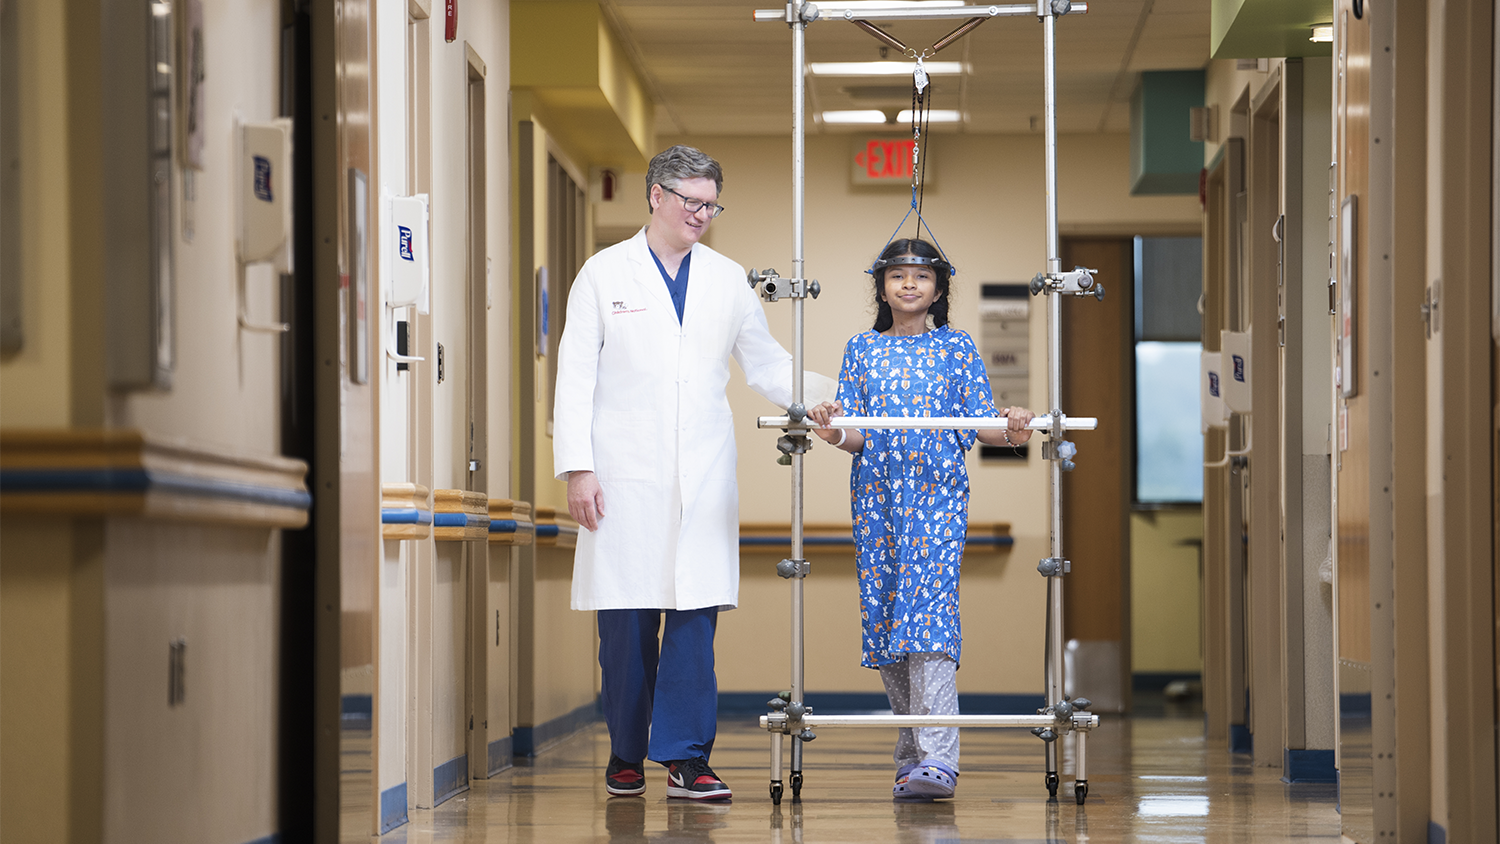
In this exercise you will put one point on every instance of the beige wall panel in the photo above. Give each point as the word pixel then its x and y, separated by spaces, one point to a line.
pixel 1164 576
pixel 449 616
pixel 499 646
pixel 51 656
pixel 565 648
pixel 1002 607
pixel 225 386
pixel 202 770
pixel 32 381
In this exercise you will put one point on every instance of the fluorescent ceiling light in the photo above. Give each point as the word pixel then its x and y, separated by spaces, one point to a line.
pixel 862 116
pixel 1322 34
pixel 884 68
pixel 937 115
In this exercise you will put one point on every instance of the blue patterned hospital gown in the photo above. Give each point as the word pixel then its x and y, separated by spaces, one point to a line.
pixel 910 489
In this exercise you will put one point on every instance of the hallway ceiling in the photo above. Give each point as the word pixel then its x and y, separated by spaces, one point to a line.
pixel 714 71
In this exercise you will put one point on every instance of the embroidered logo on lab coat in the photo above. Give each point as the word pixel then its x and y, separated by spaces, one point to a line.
pixel 622 308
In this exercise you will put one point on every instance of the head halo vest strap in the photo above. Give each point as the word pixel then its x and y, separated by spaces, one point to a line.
pixel 912 261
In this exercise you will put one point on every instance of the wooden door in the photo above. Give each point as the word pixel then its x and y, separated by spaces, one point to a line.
pixel 1098 379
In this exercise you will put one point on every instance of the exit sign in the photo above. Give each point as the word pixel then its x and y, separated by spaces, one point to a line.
pixel 885 161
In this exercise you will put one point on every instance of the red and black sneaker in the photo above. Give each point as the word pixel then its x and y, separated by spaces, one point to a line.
pixel 624 779
pixel 694 780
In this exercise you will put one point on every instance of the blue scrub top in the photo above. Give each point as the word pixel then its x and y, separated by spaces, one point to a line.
pixel 677 287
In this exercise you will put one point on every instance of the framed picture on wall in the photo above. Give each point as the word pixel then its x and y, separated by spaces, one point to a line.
pixel 543 308
pixel 1348 384
pixel 359 277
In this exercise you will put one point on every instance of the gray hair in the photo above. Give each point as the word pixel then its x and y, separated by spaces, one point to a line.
pixel 672 166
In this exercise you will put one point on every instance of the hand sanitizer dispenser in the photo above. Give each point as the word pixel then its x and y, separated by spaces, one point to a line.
pixel 406 242
pixel 1235 382
pixel 265 187
pixel 1211 391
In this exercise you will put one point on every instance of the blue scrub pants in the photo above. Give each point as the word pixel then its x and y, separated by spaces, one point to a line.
pixel 662 706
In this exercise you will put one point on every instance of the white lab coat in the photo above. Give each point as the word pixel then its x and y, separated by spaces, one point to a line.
pixel 640 402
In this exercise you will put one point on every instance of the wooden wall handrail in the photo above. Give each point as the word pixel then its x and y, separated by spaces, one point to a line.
pixel 771 536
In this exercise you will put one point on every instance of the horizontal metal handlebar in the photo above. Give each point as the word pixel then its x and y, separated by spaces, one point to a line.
pixel 909 13
pixel 925 423
pixel 1082 720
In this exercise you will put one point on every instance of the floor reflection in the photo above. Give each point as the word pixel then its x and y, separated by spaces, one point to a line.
pixel 1151 779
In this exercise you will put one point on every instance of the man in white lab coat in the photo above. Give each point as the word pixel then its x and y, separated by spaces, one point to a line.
pixel 644 437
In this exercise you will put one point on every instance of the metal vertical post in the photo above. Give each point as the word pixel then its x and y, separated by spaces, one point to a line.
pixel 1054 671
pixel 799 37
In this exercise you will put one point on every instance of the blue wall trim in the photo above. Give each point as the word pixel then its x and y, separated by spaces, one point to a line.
pixel 273 838
pixel 833 703
pixel 450 778
pixel 502 525
pixel 459 519
pixel 141 480
pixel 528 740
pixel 1240 740
pixel 1308 766
pixel 501 753
pixel 546 530
pixel 405 516
pixel 392 808
pixel 1436 834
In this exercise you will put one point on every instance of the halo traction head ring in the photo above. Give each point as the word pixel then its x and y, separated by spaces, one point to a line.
pixel 913 261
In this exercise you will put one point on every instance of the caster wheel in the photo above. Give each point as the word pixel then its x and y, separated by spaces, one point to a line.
pixel 1052 785
pixel 775 794
pixel 797 786
pixel 1081 791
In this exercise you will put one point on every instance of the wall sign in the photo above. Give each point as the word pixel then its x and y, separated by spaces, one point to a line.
pixel 885 161
pixel 543 317
pixel 450 20
pixel 1347 326
pixel 359 277
pixel 1005 341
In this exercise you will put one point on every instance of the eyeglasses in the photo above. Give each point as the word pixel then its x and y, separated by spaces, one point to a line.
pixel 693 206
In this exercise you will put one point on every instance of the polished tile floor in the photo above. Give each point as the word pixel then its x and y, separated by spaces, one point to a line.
pixel 1152 779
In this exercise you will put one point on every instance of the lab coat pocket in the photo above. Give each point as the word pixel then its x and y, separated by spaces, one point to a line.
pixel 624 446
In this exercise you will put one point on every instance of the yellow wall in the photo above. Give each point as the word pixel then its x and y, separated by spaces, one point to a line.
pixel 1164 573
pixel 33 381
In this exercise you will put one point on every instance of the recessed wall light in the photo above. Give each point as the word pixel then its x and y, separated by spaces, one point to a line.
pixel 884 68
pixel 1322 34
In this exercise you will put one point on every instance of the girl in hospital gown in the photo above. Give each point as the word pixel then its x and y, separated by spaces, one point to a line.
pixel 910 498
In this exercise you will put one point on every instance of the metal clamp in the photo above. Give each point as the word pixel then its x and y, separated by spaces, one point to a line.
pixel 801 13
pixel 774 288
pixel 1054 566
pixel 787 569
pixel 1063 450
pixel 1078 281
